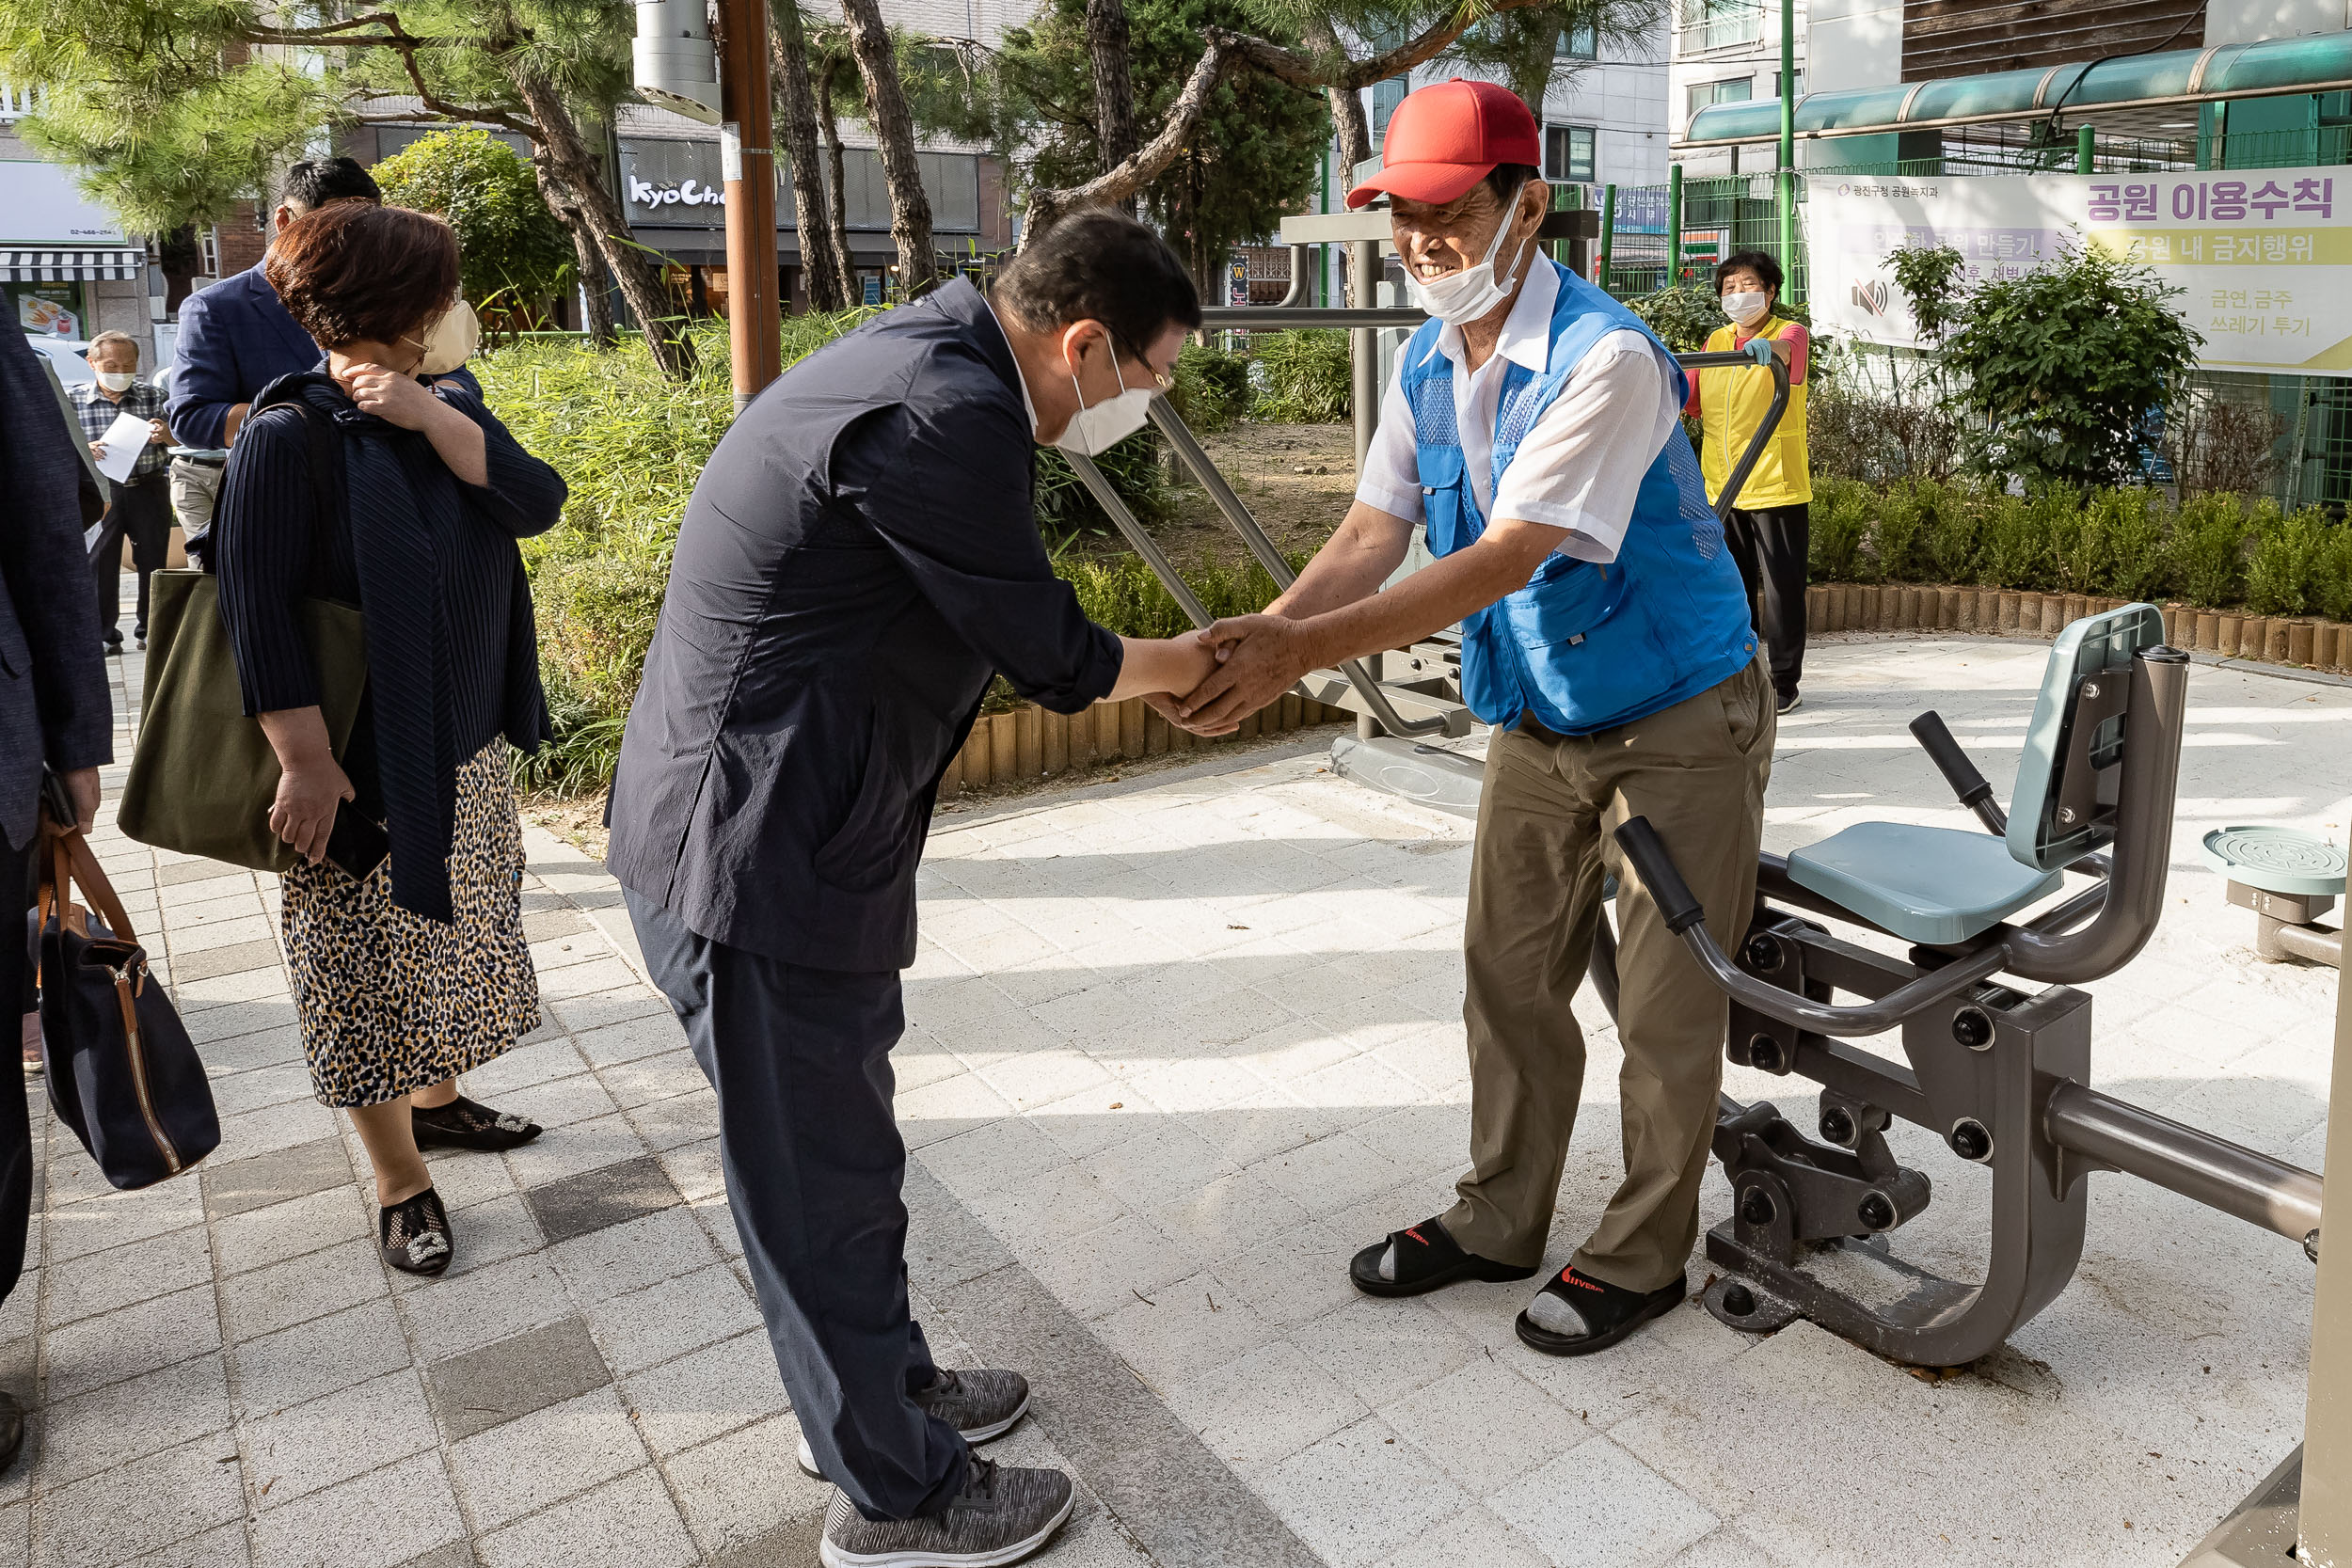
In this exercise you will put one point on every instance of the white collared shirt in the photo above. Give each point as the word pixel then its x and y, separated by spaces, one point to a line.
pixel 1581 465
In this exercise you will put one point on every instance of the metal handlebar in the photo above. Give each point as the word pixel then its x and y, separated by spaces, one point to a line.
pixel 1740 359
pixel 1971 787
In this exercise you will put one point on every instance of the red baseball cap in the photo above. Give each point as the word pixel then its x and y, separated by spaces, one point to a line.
pixel 1444 139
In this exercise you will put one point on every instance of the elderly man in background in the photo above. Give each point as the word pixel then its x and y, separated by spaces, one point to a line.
pixel 137 508
pixel 54 710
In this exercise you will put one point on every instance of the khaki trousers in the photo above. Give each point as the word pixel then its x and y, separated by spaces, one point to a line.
pixel 1697 771
pixel 195 488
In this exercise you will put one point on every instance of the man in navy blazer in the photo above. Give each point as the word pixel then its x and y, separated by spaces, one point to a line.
pixel 54 709
pixel 859 559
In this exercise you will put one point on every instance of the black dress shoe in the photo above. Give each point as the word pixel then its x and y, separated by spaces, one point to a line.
pixel 1427 1259
pixel 467 1124
pixel 1575 1314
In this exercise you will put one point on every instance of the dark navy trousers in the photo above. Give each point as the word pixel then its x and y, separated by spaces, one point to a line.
pixel 801 1060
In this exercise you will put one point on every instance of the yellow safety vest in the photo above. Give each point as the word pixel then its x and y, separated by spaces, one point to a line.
pixel 1731 404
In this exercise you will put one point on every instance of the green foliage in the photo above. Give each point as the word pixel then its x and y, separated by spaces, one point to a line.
pixel 1952 547
pixel 1065 506
pixel 2208 549
pixel 2060 366
pixel 2331 575
pixel 1252 158
pixel 1929 275
pixel 1306 376
pixel 2138 563
pixel 2015 544
pixel 514 256
pixel 1841 521
pixel 1212 386
pixel 2280 577
pixel 1120 592
pixel 1909 516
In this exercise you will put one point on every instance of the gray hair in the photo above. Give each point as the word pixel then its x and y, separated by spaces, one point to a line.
pixel 104 338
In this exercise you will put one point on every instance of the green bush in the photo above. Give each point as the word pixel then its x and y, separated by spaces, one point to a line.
pixel 1908 514
pixel 2331 575
pixel 1304 377
pixel 1959 533
pixel 2286 551
pixel 2138 566
pixel 2208 549
pixel 2016 546
pixel 1212 386
pixel 1840 523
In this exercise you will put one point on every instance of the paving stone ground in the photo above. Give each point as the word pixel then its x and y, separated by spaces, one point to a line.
pixel 1177 1048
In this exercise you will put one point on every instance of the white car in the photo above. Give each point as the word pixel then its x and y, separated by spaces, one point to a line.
pixel 65 358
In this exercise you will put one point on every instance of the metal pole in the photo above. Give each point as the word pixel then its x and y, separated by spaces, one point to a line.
pixel 1785 182
pixel 2086 142
pixel 2325 1527
pixel 747 159
pixel 1363 260
pixel 1322 261
pixel 1673 226
pixel 1608 234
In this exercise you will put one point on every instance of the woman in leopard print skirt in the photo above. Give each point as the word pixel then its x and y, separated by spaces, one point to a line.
pixel 358 483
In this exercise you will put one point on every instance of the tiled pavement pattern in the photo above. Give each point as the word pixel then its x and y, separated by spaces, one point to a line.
pixel 1178 1047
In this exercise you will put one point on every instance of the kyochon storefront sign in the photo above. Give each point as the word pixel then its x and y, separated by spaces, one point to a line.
pixel 2252 251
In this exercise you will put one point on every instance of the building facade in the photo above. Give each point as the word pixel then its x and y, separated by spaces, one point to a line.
pixel 68 272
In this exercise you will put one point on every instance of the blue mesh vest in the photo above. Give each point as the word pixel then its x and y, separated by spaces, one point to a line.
pixel 1583 647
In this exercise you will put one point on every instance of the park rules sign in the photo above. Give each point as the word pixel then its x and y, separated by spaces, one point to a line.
pixel 2255 252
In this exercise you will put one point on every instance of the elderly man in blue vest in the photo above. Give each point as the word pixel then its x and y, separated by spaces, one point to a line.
pixel 1532 427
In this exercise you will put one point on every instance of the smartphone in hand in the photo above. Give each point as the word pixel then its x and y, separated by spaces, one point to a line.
pixel 357 845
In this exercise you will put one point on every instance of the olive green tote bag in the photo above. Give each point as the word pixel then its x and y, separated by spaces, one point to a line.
pixel 203 776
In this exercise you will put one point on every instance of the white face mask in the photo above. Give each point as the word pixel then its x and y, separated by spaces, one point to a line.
pixel 1460 298
pixel 1092 432
pixel 1747 308
pixel 451 342
pixel 117 381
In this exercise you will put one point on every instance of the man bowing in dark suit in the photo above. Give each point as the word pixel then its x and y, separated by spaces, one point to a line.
pixel 860 556
pixel 54 710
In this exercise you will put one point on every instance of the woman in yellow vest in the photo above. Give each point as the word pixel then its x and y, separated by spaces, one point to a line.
pixel 1771 524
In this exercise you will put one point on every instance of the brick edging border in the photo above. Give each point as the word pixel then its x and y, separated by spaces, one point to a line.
pixel 2304 641
pixel 1031 743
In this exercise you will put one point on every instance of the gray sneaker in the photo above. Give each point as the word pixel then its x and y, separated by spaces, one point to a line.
pixel 982 1405
pixel 1001 1516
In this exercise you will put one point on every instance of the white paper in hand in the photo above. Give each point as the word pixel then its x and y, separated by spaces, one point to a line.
pixel 124 441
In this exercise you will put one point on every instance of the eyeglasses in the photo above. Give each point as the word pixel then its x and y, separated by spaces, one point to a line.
pixel 1164 381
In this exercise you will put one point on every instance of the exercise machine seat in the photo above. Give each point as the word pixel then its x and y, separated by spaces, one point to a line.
pixel 1932 885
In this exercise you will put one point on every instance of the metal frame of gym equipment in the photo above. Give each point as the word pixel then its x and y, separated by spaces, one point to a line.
pixel 1409 694
pixel 1998 1072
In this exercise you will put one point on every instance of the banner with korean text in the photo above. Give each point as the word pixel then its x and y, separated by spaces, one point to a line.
pixel 2251 249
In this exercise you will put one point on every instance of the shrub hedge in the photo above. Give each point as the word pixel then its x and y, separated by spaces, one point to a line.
pixel 2215 552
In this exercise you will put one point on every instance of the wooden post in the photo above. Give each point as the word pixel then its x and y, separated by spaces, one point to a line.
pixel 747 163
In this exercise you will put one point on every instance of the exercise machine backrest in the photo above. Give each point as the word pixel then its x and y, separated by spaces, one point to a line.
pixel 2064 805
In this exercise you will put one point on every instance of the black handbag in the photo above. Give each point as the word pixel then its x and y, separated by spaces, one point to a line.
pixel 121 1070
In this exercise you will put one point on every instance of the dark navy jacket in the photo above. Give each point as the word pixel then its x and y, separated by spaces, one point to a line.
pixel 235 339
pixel 859 554
pixel 53 700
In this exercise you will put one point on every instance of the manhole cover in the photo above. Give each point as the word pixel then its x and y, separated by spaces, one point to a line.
pixel 2277 860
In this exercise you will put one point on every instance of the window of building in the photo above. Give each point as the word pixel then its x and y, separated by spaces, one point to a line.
pixel 1797 78
pixel 1738 90
pixel 1721 23
pixel 1579 40
pixel 1386 96
pixel 1569 153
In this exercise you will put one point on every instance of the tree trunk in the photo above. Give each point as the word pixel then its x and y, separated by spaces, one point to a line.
pixel 1114 99
pixel 1348 114
pixel 827 290
pixel 894 132
pixel 562 154
pixel 837 214
pixel 595 303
